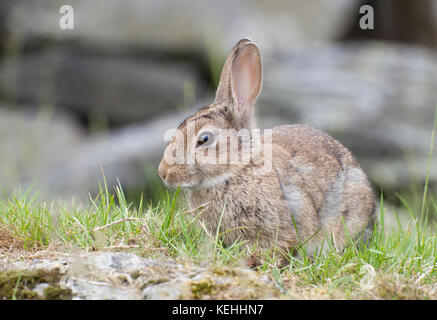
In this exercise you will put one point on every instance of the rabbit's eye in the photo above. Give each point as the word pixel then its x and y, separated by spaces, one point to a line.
pixel 204 139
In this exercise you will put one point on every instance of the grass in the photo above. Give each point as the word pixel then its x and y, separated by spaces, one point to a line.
pixel 109 221
pixel 403 254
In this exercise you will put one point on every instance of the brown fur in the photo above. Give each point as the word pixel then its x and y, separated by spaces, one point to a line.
pixel 316 188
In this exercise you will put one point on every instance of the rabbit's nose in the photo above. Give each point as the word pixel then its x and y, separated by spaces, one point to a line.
pixel 163 170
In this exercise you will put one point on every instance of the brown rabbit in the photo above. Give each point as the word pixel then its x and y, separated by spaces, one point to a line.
pixel 314 190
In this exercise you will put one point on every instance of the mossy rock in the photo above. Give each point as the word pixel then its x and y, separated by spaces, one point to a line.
pixel 203 287
pixel 20 285
pixel 226 283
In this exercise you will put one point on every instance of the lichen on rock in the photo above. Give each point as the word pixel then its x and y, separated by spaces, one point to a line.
pixel 20 284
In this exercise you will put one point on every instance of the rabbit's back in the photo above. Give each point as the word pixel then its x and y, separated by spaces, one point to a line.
pixel 312 165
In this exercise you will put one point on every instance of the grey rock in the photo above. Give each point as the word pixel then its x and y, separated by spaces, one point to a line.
pixel 125 276
pixel 92 290
pixel 39 288
pixel 184 26
pixel 28 143
pixel 115 90
pixel 54 155
pixel 377 99
pixel 120 262
pixel 119 156
pixel 235 283
pixel 150 64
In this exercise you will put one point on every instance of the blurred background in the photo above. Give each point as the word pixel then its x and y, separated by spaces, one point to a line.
pixel 77 103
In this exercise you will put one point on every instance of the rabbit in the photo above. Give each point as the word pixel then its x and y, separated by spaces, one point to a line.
pixel 314 191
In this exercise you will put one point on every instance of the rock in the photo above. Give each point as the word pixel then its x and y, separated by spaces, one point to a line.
pixel 120 73
pixel 53 155
pixel 120 262
pixel 185 26
pixel 118 156
pixel 28 142
pixel 377 99
pixel 218 283
pixel 90 290
pixel 100 90
pixel 120 275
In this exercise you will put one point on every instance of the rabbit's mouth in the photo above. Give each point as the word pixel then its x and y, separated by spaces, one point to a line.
pixel 189 178
pixel 205 183
pixel 183 185
pixel 174 179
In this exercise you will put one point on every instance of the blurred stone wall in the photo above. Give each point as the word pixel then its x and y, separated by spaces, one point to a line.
pixel 102 95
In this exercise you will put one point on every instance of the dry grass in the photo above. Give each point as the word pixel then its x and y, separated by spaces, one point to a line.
pixel 381 287
pixel 8 241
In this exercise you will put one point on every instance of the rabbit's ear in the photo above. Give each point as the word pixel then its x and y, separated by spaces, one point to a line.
pixel 241 80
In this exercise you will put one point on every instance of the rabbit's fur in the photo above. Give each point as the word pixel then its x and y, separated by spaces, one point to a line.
pixel 314 190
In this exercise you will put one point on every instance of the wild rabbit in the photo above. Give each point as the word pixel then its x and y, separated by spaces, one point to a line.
pixel 314 188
